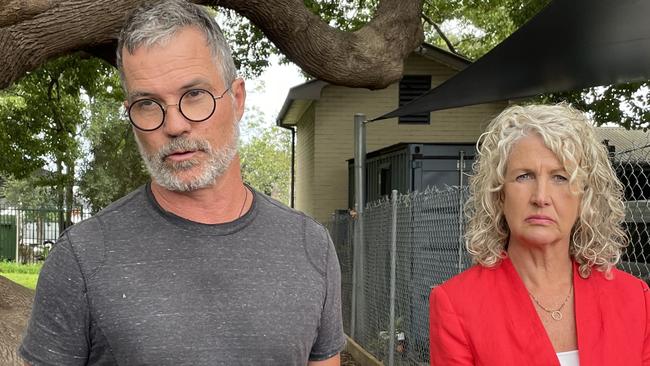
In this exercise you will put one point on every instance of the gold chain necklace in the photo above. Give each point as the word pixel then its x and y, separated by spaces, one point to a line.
pixel 557 313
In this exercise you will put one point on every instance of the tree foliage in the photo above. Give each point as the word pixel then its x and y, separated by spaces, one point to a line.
pixel 113 167
pixel 42 117
pixel 266 158
pixel 475 26
pixel 626 105
pixel 28 192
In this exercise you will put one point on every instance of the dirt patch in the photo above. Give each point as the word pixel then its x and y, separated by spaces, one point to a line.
pixel 15 307
pixel 347 360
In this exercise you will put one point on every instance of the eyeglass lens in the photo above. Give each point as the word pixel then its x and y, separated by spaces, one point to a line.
pixel 196 105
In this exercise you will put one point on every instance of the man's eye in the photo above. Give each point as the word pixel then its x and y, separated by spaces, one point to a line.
pixel 560 178
pixel 145 104
pixel 196 94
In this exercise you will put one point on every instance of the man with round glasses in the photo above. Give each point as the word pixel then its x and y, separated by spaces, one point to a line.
pixel 195 267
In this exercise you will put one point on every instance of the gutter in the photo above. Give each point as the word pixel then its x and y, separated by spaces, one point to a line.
pixel 293 163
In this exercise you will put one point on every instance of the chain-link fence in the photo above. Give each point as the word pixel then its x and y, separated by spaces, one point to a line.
pixel 430 249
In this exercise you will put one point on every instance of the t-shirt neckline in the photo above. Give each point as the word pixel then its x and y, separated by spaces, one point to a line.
pixel 225 228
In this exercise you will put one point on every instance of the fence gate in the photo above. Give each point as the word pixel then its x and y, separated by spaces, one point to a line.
pixel 7 237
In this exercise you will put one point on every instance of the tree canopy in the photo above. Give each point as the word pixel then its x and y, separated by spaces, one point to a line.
pixel 266 157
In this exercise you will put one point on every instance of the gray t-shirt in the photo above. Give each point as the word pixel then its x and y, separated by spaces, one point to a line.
pixel 135 285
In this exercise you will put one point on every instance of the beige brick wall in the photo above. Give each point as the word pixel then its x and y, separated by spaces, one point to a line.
pixel 305 162
pixel 333 135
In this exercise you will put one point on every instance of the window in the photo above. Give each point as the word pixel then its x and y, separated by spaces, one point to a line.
pixel 411 87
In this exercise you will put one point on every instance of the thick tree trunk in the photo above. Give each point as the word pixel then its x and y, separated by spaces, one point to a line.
pixel 32 32
pixel 371 57
pixel 15 307
pixel 64 27
pixel 16 11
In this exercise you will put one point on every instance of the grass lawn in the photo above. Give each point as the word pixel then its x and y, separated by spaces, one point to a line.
pixel 24 274
pixel 25 279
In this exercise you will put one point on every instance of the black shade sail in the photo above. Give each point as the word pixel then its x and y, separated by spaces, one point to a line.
pixel 569 45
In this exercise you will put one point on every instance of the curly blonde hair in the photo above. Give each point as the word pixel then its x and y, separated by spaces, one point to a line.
pixel 597 238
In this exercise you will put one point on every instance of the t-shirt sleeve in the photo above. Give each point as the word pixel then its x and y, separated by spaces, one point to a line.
pixel 330 339
pixel 57 333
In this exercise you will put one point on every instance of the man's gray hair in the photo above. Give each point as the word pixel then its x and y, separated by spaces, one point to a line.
pixel 156 22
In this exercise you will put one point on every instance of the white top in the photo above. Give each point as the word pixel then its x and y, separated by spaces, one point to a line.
pixel 569 358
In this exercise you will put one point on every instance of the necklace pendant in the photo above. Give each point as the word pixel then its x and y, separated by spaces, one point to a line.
pixel 556 315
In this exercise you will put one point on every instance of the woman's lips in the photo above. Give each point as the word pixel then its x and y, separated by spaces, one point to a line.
pixel 539 219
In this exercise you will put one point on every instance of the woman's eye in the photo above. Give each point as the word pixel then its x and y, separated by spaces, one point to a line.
pixel 560 178
pixel 524 176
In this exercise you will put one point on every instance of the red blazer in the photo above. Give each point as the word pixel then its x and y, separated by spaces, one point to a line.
pixel 484 316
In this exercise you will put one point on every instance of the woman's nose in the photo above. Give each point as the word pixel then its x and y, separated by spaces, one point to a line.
pixel 540 196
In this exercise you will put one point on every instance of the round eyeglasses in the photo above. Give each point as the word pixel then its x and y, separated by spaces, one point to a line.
pixel 196 105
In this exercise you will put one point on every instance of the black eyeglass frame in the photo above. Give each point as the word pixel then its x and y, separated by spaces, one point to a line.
pixel 164 108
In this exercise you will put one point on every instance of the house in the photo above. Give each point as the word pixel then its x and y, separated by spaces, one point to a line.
pixel 322 116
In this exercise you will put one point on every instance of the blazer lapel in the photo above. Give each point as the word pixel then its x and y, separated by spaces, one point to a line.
pixel 531 332
pixel 589 319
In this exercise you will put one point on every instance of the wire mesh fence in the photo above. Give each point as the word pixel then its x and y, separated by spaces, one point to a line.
pixel 430 249
pixel 27 235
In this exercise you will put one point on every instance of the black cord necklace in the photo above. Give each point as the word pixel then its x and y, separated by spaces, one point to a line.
pixel 244 204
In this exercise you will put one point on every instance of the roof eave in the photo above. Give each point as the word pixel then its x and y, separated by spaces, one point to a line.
pixel 310 90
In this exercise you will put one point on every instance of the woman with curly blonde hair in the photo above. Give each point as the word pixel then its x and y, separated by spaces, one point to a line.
pixel 545 217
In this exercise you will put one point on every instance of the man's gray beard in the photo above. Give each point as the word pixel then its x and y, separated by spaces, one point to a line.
pixel 165 172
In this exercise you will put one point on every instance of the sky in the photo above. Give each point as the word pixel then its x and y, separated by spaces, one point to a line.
pixel 266 93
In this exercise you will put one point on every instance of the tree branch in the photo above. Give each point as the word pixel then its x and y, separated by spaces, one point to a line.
pixel 63 29
pixel 371 57
pixel 441 34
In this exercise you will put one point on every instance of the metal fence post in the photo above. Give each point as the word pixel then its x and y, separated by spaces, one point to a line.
pixel 359 203
pixel 461 165
pixel 18 232
pixel 393 265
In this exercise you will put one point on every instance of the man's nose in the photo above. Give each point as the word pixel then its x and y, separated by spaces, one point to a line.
pixel 175 123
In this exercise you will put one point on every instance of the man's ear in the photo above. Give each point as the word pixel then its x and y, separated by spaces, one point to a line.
pixel 239 97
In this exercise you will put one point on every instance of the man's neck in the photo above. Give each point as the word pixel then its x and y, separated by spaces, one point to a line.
pixel 224 201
